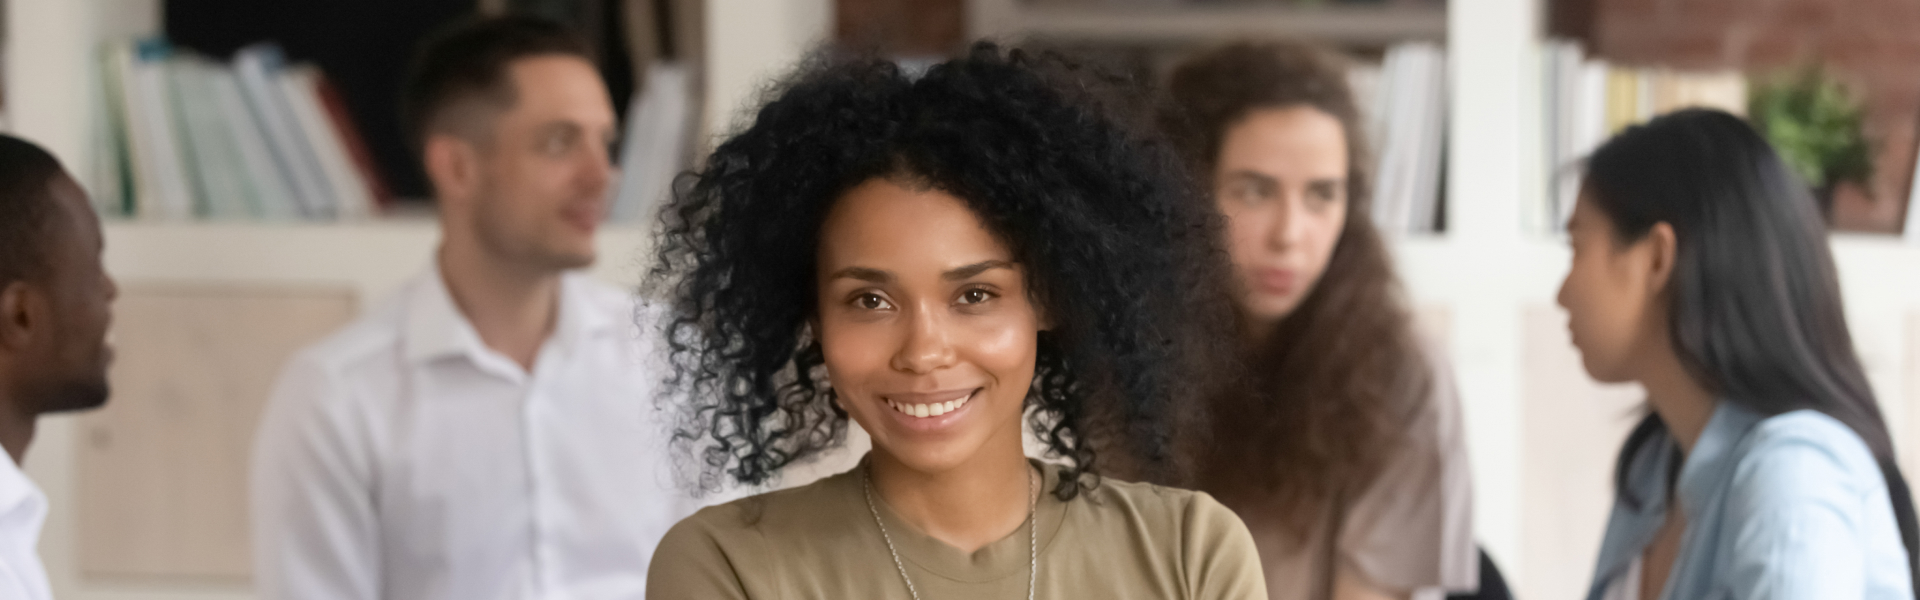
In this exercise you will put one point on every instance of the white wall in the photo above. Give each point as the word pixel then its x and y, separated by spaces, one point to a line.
pixel 748 43
pixel 48 70
pixel 1488 42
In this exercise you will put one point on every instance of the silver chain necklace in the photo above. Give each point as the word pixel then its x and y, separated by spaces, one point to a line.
pixel 1033 535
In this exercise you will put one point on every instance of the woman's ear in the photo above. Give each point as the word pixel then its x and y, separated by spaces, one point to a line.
pixel 1663 249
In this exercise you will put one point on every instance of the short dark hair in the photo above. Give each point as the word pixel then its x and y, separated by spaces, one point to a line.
pixel 27 208
pixel 468 60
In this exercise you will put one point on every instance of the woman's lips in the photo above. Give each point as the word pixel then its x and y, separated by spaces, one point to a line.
pixel 929 405
pixel 1279 282
pixel 929 414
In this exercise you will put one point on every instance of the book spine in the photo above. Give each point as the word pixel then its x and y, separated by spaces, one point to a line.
pixel 336 107
pixel 349 193
pixel 256 67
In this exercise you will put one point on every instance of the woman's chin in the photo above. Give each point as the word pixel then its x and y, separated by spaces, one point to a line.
pixel 928 457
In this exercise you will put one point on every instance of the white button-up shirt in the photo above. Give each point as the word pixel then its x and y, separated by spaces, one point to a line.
pixel 403 459
pixel 23 509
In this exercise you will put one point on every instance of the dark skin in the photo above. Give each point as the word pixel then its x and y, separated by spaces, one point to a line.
pixel 53 323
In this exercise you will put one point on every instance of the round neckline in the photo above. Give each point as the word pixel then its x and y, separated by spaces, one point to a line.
pixel 1005 557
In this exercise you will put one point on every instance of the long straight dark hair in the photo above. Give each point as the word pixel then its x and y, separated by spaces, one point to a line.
pixel 1756 313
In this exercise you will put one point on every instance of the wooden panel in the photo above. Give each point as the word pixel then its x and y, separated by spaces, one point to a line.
pixel 162 470
pixel 1573 428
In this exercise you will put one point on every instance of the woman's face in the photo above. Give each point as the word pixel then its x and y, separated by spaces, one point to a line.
pixel 929 336
pixel 1281 181
pixel 1611 295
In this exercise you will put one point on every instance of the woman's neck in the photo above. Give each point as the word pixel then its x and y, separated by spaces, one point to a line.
pixel 969 506
pixel 1683 404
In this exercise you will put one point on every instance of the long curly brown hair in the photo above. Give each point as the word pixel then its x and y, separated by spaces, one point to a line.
pixel 1331 388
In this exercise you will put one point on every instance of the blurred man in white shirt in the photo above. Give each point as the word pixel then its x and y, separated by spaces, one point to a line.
pixel 489 431
pixel 55 300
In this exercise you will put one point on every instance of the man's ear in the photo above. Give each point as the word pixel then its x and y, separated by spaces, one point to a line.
pixel 19 315
pixel 1663 251
pixel 452 164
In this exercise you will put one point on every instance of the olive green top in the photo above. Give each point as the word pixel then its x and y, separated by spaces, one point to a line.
pixel 1119 540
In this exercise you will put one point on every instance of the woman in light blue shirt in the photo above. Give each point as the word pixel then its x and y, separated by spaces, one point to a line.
pixel 1701 271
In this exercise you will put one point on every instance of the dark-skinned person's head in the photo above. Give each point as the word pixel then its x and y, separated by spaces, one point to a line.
pixel 55 295
pixel 941 257
pixel 514 126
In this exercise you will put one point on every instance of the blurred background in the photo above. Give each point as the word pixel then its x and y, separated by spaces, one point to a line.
pixel 247 157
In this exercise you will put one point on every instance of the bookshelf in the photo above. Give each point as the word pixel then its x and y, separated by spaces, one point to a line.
pixel 1164 22
pixel 1540 435
pixel 51 73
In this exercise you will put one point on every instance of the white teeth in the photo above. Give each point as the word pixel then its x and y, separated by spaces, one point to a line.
pixel 929 410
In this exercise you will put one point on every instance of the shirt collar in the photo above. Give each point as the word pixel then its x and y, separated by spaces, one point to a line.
pixel 581 317
pixel 1712 459
pixel 16 489
pixel 1703 473
pixel 436 328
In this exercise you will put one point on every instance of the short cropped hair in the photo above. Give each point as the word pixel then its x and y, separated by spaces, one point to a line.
pixel 27 208
pixel 468 62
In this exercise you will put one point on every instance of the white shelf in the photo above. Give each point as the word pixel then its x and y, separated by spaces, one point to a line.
pixel 372 257
pixel 1346 25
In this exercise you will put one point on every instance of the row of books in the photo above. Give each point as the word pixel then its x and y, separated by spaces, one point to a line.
pixel 1586 100
pixel 186 137
pixel 1405 105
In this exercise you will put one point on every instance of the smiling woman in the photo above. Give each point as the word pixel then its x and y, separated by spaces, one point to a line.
pixel 940 259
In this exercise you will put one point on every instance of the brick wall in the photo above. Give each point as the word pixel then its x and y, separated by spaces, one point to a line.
pixel 902 27
pixel 1871 45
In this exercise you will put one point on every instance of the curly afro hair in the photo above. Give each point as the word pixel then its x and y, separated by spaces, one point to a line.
pixel 1116 252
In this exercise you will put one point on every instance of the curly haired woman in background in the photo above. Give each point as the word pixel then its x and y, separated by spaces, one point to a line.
pixel 939 258
pixel 1344 453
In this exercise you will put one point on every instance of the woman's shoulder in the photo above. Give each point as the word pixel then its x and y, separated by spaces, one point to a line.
pixel 1800 463
pixel 1800 446
pixel 1188 532
pixel 1161 508
pixel 776 514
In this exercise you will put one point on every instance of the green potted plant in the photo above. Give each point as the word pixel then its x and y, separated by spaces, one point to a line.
pixel 1815 124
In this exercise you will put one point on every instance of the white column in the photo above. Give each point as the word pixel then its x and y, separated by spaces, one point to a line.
pixel 751 43
pixel 1490 47
pixel 50 74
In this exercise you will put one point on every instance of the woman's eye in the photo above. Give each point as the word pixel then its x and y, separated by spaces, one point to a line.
pixel 1326 193
pixel 872 302
pixel 1246 192
pixel 556 144
pixel 975 296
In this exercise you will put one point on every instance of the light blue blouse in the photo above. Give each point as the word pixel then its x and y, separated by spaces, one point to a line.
pixel 1785 507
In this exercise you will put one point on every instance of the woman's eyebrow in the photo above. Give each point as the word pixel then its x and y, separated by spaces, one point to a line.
pixel 862 273
pixel 1256 177
pixel 969 271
